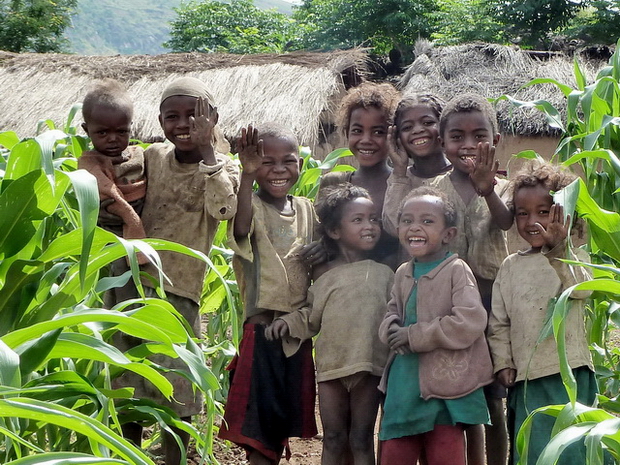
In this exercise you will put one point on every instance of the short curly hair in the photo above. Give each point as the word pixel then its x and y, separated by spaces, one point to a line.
pixel 107 93
pixel 277 131
pixel 535 173
pixel 449 210
pixel 383 97
pixel 467 103
pixel 330 206
pixel 415 99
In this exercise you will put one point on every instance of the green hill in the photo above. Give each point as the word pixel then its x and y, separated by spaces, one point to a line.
pixel 110 27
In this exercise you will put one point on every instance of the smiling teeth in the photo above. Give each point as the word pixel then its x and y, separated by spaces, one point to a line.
pixel 183 136
pixel 420 142
pixel 278 182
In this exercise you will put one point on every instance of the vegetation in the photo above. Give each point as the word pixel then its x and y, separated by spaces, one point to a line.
pixel 591 142
pixel 34 25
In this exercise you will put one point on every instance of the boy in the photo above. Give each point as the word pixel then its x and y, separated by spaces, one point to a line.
pixel 107 111
pixel 271 396
pixel 526 282
pixel 192 186
pixel 469 132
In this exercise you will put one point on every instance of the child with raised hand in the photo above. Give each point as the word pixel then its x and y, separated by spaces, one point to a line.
pixel 414 136
pixel 469 133
pixel 348 297
pixel 272 391
pixel 525 284
pixel 107 110
pixel 192 187
pixel 439 358
pixel 365 116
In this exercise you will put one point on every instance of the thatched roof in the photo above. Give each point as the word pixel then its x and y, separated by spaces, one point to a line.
pixel 492 71
pixel 296 89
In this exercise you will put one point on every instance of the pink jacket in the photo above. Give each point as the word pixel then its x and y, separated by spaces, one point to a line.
pixel 449 333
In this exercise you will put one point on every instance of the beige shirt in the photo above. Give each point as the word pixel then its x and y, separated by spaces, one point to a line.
pixel 270 271
pixel 479 241
pixel 521 294
pixel 185 203
pixel 346 304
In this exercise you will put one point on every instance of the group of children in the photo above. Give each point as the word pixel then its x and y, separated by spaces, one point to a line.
pixel 436 343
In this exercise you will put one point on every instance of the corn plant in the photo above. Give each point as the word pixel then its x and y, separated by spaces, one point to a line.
pixel 57 403
pixel 591 140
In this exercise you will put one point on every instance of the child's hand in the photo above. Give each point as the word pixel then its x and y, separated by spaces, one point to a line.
pixel 397 154
pixel 314 253
pixel 557 227
pixel 202 123
pixel 485 167
pixel 507 377
pixel 276 330
pixel 398 339
pixel 250 149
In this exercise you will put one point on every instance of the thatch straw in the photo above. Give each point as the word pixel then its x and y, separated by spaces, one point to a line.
pixel 296 89
pixel 492 71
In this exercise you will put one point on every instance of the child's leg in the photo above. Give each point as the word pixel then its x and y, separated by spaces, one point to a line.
pixel 445 444
pixel 475 444
pixel 365 399
pixel 496 432
pixel 133 432
pixel 401 451
pixel 335 414
pixel 170 448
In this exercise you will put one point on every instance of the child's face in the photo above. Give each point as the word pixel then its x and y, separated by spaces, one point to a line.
pixel 418 132
pixel 174 115
pixel 422 228
pixel 108 129
pixel 359 228
pixel 367 136
pixel 532 205
pixel 280 169
pixel 462 134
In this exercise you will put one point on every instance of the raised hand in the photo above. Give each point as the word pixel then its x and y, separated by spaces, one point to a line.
pixel 396 153
pixel 250 149
pixel 557 227
pixel 202 123
pixel 485 167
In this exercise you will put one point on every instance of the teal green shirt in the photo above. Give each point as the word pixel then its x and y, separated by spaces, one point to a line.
pixel 406 413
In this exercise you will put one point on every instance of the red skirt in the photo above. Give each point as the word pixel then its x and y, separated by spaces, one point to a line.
pixel 271 397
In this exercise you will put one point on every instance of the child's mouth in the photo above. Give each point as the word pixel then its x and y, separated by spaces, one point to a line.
pixel 278 182
pixel 421 141
pixel 416 240
pixel 468 158
pixel 183 136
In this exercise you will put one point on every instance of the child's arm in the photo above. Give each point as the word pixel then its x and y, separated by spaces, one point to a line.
pixel 251 157
pixel 483 180
pixel 498 335
pixel 398 184
pixel 556 249
pixel 392 321
pixel 201 130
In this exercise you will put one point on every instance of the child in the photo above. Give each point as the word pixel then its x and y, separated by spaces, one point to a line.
pixel 119 169
pixel 469 133
pixel 415 136
pixel 192 186
pixel 525 284
pixel 349 297
pixel 272 391
pixel 434 326
pixel 365 115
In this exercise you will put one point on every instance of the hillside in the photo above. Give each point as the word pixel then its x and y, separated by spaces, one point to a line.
pixel 110 27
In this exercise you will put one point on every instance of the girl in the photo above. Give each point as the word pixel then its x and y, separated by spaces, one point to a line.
pixel 365 116
pixel 434 326
pixel 414 136
pixel 346 303
pixel 525 284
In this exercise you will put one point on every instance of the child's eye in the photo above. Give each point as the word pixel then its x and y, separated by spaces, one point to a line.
pixel 543 212
pixel 380 132
pixel 355 131
pixel 455 138
pixel 406 127
pixel 375 220
pixel 429 123
pixel 427 221
pixel 405 221
pixel 521 214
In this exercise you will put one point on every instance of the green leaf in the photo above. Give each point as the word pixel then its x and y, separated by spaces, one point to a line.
pixel 8 139
pixel 9 367
pixel 65 458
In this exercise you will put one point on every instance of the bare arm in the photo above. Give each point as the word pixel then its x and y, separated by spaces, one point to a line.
pixel 251 157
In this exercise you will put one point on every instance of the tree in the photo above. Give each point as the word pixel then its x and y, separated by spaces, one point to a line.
pixel 235 27
pixel 34 25
pixel 531 22
pixel 330 24
pixel 462 21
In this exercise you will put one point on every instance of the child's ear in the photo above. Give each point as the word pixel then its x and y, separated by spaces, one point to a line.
pixel 301 163
pixel 448 235
pixel 443 145
pixel 496 139
pixel 161 121
pixel 85 127
pixel 333 234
